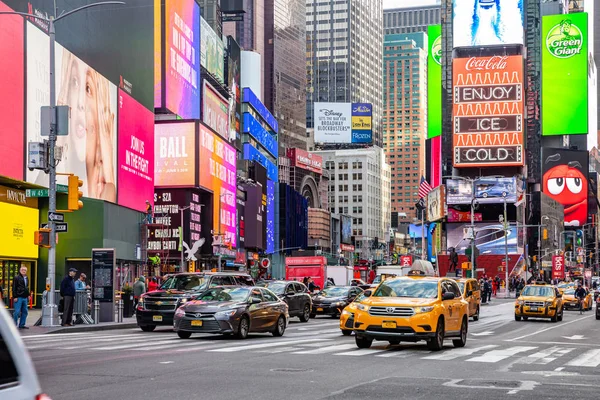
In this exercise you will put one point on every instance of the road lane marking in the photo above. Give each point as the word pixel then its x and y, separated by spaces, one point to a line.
pixel 265 345
pixel 499 355
pixel 359 352
pixel 590 358
pixel 545 356
pixel 328 349
pixel 547 329
pixel 402 353
pixel 451 354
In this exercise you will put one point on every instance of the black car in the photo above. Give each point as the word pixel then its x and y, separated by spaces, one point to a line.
pixel 295 294
pixel 332 300
pixel 158 307
pixel 232 310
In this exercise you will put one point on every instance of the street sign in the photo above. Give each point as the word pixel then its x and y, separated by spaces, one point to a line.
pixel 56 217
pixel 44 192
pixel 60 227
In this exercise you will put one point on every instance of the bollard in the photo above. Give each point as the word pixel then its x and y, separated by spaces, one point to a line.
pixel 96 311
pixel 120 311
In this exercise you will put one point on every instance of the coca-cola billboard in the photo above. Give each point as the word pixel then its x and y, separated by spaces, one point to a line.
pixel 488 111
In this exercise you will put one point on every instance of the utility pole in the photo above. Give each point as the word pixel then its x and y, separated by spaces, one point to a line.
pixel 473 275
pixel 506 226
pixel 50 310
pixel 181 210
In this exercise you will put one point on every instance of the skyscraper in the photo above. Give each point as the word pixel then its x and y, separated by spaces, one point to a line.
pixel 411 19
pixel 344 44
pixel 404 121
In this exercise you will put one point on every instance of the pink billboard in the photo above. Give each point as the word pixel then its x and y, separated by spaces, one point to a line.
pixel 136 153
pixel 218 173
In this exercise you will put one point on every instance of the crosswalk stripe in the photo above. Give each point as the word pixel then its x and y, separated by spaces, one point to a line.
pixel 93 342
pixel 279 350
pixel 590 358
pixel 328 349
pixel 402 353
pixel 61 338
pixel 131 346
pixel 360 352
pixel 187 344
pixel 455 353
pixel 324 332
pixel 545 356
pixel 265 345
pixel 499 355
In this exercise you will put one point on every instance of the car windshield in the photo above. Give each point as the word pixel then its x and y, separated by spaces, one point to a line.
pixel 377 279
pixel 538 291
pixel 408 288
pixel 228 294
pixel 184 282
pixel 334 291
pixel 564 285
pixel 276 287
pixel 570 291
pixel 360 298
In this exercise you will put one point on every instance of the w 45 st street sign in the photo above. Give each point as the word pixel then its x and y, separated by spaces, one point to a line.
pixel 44 192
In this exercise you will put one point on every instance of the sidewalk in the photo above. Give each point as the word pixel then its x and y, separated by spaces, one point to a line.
pixel 36 313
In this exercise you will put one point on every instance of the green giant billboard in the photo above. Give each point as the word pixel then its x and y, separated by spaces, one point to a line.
pixel 565 74
pixel 434 79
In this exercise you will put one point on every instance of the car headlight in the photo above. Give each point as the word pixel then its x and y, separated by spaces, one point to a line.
pixel 183 301
pixel 179 312
pixel 420 310
pixel 362 307
pixel 520 302
pixel 339 303
pixel 225 313
pixel 549 303
pixel 348 313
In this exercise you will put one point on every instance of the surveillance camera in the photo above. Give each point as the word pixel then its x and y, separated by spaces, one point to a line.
pixel 31 169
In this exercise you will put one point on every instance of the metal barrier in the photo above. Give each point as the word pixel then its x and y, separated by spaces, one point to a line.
pixel 81 307
pixel 120 310
pixel 96 318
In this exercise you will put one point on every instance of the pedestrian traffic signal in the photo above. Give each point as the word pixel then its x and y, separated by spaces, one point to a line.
pixel 42 237
pixel 545 234
pixel 75 194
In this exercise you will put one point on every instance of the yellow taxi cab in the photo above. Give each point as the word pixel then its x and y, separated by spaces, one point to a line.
pixel 411 308
pixel 565 286
pixel 571 303
pixel 539 300
pixel 347 315
pixel 471 292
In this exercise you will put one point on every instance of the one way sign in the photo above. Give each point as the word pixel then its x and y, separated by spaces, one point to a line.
pixel 56 217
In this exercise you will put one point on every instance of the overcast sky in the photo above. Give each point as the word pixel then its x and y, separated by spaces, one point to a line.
pixel 407 3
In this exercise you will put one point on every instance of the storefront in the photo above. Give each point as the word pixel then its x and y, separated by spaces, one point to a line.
pixel 19 220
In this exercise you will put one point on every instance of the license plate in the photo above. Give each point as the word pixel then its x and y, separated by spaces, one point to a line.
pixel 196 323
pixel 157 318
pixel 319 309
pixel 389 324
pixel 534 309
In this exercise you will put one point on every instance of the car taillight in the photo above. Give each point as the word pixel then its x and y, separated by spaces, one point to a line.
pixel 42 397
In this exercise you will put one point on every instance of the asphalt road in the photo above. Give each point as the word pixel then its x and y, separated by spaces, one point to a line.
pixel 503 358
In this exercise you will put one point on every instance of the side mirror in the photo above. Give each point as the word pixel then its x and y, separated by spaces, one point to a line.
pixel 254 300
pixel 469 293
pixel 448 296
pixel 367 293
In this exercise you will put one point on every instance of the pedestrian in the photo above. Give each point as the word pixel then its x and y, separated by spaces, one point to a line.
pixel 139 288
pixel 148 218
pixel 312 286
pixel 67 291
pixel 153 284
pixel 21 297
pixel 305 281
pixel 453 260
pixel 372 275
pixel 80 283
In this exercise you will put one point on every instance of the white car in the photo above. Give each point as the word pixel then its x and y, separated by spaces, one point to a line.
pixel 18 379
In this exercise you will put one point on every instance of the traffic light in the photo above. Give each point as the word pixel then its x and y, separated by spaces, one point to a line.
pixel 42 237
pixel 75 194
pixel 545 234
pixel 579 237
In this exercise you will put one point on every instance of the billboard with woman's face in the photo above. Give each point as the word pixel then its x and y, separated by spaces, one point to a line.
pixel 90 149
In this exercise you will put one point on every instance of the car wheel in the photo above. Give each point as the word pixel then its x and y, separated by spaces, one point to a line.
pixel 437 342
pixel 243 328
pixel 279 327
pixel 476 316
pixel 346 332
pixel 184 335
pixel 394 342
pixel 148 328
pixel 334 316
pixel 313 315
pixel 517 318
pixel 305 313
pixel 463 334
pixel 597 316
pixel 554 319
pixel 484 195
pixel 525 318
pixel 363 343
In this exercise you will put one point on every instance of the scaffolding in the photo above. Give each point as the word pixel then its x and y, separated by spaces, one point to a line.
pixel 146 231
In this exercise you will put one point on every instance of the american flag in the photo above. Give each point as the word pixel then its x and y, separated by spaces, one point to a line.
pixel 424 188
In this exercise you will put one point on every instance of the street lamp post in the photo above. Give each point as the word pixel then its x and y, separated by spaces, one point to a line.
pixel 506 227
pixel 181 210
pixel 50 311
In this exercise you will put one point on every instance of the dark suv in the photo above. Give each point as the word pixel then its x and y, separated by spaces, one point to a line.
pixel 158 307
pixel 295 294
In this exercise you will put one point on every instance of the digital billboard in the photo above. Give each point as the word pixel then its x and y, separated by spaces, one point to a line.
pixel 90 149
pixel 489 238
pixel 217 170
pixel 487 190
pixel 259 107
pixel 434 79
pixel 260 134
pixel 215 111
pixel 303 159
pixel 233 83
pixel 488 111
pixel 565 60
pixel 255 214
pixel 136 153
pixel 158 53
pixel 182 58
pixel 487 22
pixel 212 51
pixel 565 179
pixel 253 154
pixel 436 161
pixel 12 82
pixel 174 154
pixel 333 122
pixel 346 222
pixel 362 124
pixel 270 229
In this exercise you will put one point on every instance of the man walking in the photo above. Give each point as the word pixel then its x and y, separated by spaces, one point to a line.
pixel 67 291
pixel 139 288
pixel 21 297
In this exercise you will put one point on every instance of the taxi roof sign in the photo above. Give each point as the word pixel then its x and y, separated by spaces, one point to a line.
pixel 421 268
